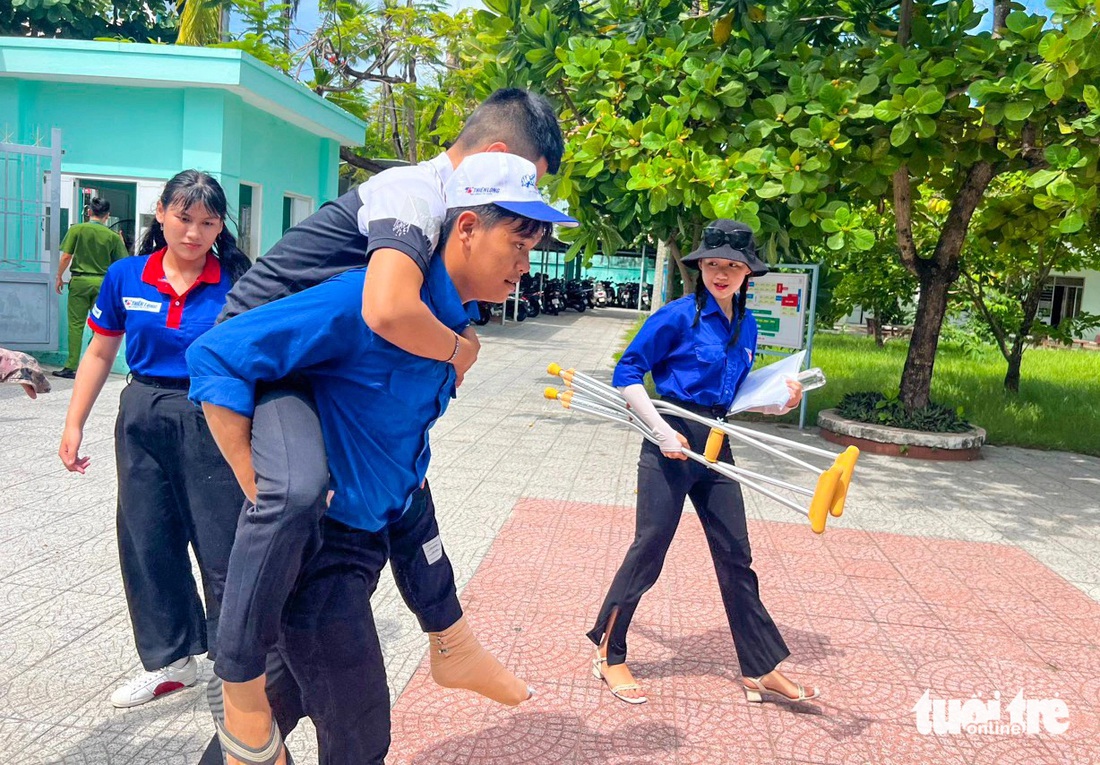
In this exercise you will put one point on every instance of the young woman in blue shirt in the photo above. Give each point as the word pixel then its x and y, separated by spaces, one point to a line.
pixel 699 349
pixel 174 487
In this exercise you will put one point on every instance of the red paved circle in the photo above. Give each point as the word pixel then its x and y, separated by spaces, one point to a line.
pixel 874 620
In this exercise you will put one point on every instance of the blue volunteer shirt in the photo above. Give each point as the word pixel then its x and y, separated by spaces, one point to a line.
pixel 137 300
pixel 697 364
pixel 376 402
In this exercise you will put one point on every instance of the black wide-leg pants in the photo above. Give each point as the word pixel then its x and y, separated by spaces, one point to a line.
pixel 174 490
pixel 663 484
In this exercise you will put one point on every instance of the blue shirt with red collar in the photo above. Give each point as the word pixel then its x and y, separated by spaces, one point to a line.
pixel 137 300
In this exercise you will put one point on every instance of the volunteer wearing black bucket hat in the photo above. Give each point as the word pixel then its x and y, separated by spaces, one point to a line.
pixel 728 240
pixel 699 349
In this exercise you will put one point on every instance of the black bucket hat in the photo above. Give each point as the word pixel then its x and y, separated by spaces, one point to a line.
pixel 728 240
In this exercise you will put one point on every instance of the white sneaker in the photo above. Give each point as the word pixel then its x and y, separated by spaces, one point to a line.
pixel 149 685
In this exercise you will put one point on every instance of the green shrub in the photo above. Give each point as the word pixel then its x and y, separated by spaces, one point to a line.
pixel 878 409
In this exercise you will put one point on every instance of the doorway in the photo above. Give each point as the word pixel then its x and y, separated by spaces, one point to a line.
pixel 122 196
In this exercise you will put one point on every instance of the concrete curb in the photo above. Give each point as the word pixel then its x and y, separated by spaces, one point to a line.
pixel 883 439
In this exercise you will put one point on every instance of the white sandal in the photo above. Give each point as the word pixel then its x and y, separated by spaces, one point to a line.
pixel 757 693
pixel 616 691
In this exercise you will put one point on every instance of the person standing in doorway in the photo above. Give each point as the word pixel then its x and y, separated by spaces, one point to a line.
pixel 88 249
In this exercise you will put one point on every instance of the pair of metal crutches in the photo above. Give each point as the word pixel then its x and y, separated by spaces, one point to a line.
pixel 586 394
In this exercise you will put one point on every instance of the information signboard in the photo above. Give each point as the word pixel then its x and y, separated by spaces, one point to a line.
pixel 778 301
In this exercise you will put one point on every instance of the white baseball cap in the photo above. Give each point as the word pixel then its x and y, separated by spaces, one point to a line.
pixel 505 180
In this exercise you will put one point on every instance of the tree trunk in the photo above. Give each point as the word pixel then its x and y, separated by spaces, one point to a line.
pixel 880 339
pixel 935 274
pixel 916 378
pixel 1030 307
pixel 1015 360
pixel 1001 9
pixel 905 22
pixel 660 275
pixel 688 275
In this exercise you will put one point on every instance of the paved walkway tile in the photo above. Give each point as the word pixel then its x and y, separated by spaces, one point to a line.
pixel 958 603
pixel 874 619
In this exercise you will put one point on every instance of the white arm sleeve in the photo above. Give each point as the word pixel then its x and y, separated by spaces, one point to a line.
pixel 642 406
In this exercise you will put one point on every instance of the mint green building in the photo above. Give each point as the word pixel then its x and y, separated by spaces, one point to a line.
pixel 131 116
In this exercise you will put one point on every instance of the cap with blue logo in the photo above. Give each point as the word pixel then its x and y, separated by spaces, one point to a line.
pixel 505 180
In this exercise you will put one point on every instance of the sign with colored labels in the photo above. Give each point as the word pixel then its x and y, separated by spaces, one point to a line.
pixel 778 301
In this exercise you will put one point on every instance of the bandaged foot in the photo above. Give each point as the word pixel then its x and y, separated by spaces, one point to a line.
pixel 459 661
pixel 256 740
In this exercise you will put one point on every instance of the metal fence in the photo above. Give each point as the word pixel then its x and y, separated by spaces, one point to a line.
pixel 30 229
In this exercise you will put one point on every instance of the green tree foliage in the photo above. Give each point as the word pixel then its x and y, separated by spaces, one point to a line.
pixel 395 64
pixel 1014 248
pixel 200 21
pixel 875 280
pixel 141 20
pixel 679 112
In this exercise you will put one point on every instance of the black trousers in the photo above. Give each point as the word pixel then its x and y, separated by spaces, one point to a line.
pixel 174 490
pixel 281 543
pixel 663 484
pixel 342 687
pixel 277 536
pixel 327 664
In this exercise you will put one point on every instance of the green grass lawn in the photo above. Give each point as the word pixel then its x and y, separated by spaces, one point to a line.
pixel 1058 406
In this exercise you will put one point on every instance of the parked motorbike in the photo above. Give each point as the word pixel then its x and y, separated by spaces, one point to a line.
pixel 515 309
pixel 588 290
pixel 553 299
pixel 529 289
pixel 600 294
pixel 574 296
pixel 627 295
pixel 484 313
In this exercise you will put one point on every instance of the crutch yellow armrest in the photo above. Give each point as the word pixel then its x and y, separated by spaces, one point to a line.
pixel 846 463
pixel 823 498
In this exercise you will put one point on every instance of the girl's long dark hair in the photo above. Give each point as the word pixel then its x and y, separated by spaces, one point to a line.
pixel 738 304
pixel 196 187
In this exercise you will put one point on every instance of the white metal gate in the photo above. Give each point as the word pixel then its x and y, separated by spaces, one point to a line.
pixel 30 230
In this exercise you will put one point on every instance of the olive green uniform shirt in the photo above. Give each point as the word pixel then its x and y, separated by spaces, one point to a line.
pixel 94 248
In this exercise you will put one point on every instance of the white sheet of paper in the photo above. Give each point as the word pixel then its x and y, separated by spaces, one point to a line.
pixel 767 386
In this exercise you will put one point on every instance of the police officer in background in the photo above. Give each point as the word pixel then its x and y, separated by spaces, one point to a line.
pixel 89 249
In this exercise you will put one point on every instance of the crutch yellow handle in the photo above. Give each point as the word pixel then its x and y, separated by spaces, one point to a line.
pixel 563 396
pixel 846 463
pixel 823 498
pixel 714 445
pixel 555 370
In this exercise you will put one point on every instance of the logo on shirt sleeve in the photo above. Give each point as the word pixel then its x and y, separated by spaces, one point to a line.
pixel 417 213
pixel 96 312
pixel 141 304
